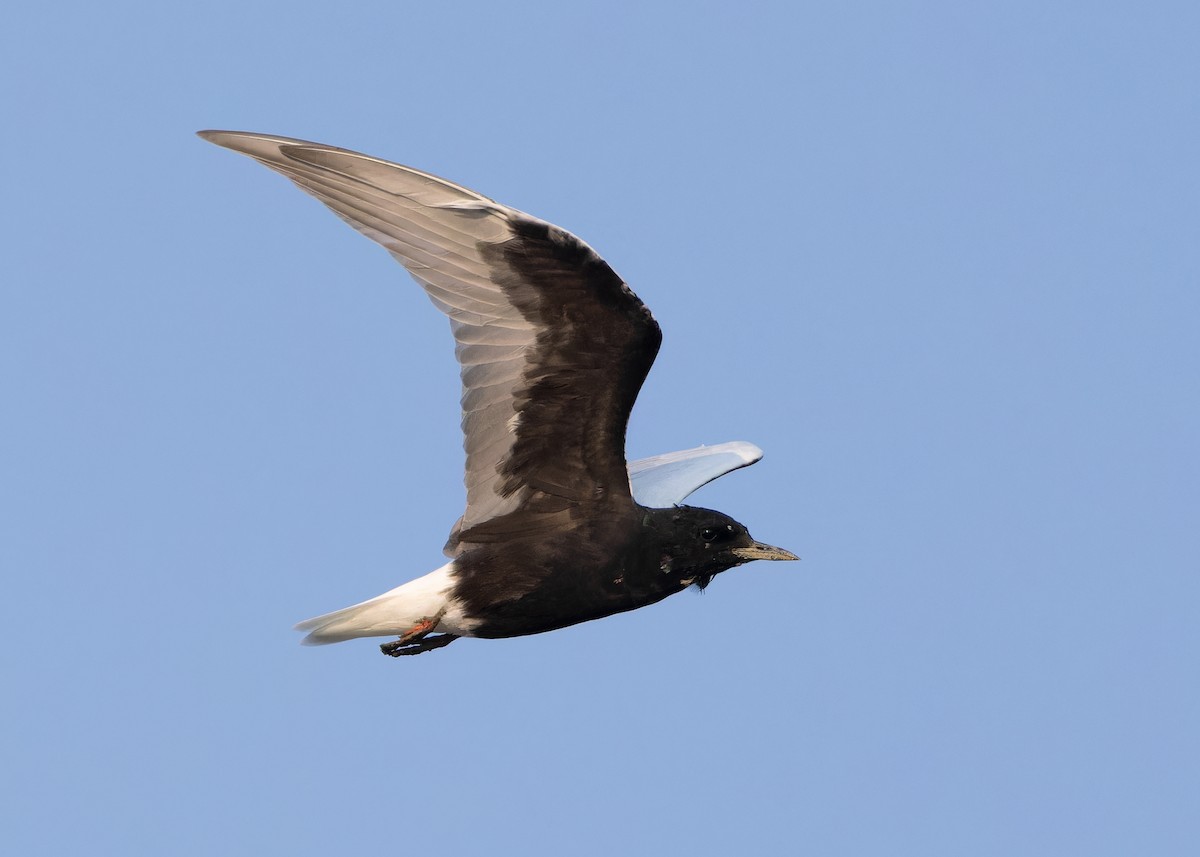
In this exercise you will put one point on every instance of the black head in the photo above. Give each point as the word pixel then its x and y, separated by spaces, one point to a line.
pixel 695 545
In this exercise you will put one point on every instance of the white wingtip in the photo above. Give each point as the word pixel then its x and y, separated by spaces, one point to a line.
pixel 667 479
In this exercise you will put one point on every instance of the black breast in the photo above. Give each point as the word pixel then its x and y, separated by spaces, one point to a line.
pixel 602 566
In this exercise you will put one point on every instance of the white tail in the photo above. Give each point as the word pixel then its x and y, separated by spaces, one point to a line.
pixel 390 614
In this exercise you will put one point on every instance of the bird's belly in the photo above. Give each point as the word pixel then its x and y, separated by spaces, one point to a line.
pixel 552 608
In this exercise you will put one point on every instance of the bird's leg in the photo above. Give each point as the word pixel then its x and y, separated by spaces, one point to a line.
pixel 398 648
pixel 416 639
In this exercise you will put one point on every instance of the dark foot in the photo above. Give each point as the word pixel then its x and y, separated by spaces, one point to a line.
pixel 416 639
pixel 400 647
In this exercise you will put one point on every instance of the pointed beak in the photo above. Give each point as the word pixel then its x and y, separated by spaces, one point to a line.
pixel 760 551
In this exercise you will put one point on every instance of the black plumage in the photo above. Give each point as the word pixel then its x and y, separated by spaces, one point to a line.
pixel 554 348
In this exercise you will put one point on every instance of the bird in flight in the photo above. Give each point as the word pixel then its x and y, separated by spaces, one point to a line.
pixel 553 348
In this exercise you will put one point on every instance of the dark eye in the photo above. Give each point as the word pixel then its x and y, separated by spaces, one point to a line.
pixel 714 534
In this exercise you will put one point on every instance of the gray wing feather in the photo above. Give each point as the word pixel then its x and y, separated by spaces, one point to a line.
pixel 667 479
pixel 436 230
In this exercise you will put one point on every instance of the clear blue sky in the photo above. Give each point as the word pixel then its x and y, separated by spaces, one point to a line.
pixel 940 260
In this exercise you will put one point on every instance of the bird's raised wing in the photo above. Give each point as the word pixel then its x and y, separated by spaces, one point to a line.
pixel 667 479
pixel 553 346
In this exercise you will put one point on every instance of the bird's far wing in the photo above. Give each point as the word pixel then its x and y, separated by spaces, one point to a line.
pixel 553 346
pixel 665 480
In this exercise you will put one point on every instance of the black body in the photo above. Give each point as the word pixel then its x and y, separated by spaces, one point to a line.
pixel 554 348
pixel 605 564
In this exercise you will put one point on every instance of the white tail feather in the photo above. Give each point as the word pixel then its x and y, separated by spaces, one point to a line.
pixel 390 614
